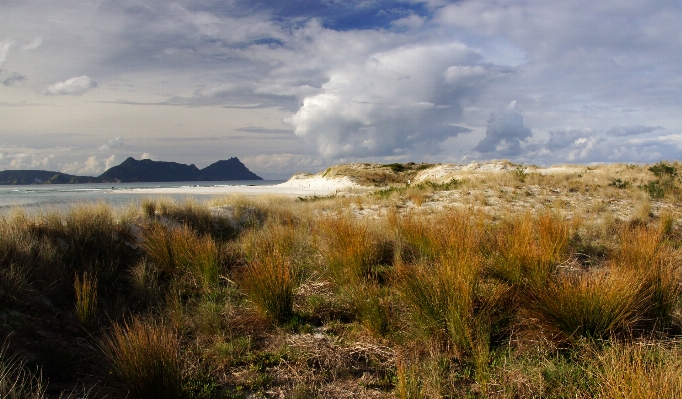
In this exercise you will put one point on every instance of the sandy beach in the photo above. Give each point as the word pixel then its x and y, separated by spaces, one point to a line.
pixel 299 185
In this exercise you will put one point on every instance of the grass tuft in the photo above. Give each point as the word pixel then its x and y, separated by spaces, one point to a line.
pixel 86 299
pixel 144 357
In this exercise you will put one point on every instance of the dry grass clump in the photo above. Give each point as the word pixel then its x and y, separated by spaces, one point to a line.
pixel 145 358
pixel 183 255
pixel 640 370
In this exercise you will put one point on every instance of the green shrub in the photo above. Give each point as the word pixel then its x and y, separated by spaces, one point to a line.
pixel 654 188
pixel 619 183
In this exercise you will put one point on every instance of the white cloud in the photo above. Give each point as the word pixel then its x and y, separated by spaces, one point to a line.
pixel 391 102
pixel 73 86
pixel 4 49
pixel 110 162
pixel 504 125
pixel 146 155
pixel 114 143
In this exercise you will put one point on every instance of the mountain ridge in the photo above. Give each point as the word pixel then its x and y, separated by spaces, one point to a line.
pixel 135 171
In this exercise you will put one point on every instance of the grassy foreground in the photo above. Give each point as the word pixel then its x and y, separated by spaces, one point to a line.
pixel 514 285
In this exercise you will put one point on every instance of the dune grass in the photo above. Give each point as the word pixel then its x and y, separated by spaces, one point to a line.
pixel 145 359
pixel 524 285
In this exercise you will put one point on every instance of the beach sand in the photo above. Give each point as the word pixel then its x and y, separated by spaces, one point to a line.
pixel 299 185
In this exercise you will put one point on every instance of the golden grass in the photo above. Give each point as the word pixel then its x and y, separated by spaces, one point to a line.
pixel 86 299
pixel 145 358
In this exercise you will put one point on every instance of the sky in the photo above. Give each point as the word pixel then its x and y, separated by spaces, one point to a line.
pixel 296 86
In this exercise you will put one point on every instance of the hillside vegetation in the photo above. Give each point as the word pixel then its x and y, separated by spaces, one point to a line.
pixel 503 282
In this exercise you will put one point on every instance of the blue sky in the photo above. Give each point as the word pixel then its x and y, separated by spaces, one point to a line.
pixel 299 85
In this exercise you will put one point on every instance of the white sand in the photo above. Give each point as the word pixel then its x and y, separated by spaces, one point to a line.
pixel 299 185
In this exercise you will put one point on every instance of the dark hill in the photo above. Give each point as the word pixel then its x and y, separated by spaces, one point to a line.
pixel 146 170
pixel 232 169
pixel 132 170
pixel 42 177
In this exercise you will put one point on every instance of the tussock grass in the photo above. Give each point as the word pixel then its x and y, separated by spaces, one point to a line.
pixel 86 299
pixel 595 305
pixel 528 249
pixel 182 254
pixel 640 370
pixel 144 356
pixel 16 382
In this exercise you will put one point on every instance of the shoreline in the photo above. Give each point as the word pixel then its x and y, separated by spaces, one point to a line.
pixel 295 187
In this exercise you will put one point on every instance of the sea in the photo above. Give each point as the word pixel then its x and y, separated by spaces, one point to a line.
pixel 37 198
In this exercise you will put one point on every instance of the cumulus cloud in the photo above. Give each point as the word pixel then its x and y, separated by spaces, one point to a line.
pixel 393 101
pixel 146 155
pixel 504 125
pixel 114 143
pixel 110 162
pixel 621 131
pixel 73 86
pixel 29 160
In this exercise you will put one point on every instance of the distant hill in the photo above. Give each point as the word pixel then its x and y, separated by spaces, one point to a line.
pixel 232 169
pixel 42 177
pixel 132 170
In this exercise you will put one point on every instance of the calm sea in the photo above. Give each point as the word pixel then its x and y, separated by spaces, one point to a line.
pixel 42 197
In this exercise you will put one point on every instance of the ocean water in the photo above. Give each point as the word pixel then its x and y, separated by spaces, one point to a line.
pixel 44 197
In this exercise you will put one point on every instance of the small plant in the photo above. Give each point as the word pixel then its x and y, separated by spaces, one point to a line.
pixel 519 172
pixel 446 186
pixel 396 167
pixel 619 183
pixel 86 299
pixel 665 182
pixel 144 356
pixel 654 189
pixel 663 171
